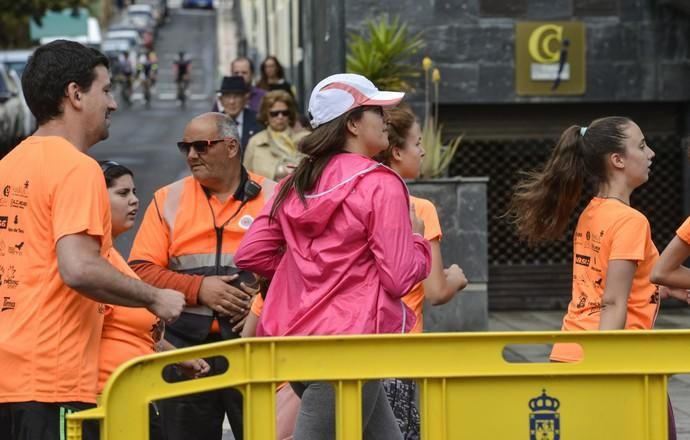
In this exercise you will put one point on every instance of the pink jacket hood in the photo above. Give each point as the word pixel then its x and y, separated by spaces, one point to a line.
pixel 340 264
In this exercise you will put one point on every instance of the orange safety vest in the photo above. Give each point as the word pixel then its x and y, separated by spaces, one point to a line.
pixel 188 231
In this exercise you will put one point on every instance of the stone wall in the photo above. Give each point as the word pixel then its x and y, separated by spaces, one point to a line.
pixel 637 50
pixel 461 206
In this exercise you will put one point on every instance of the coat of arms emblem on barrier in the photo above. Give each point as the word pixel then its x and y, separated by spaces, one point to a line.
pixel 544 420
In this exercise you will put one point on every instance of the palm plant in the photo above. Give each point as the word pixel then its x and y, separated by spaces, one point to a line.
pixel 382 53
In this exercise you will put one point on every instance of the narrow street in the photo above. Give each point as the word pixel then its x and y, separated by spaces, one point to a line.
pixel 144 139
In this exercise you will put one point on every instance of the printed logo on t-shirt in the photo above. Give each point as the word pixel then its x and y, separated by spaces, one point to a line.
pixel 16 249
pixel 582 260
pixel 7 304
pixel 246 221
pixel 16 227
pixel 3 222
pixel 6 191
pixel 21 204
pixel 9 280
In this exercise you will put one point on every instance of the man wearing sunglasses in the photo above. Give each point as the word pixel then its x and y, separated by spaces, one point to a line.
pixel 187 239
pixel 234 93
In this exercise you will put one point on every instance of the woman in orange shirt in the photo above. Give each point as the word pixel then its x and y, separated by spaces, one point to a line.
pixel 613 252
pixel 669 270
pixel 404 155
pixel 130 332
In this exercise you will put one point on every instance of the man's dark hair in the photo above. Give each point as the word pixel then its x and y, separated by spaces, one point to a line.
pixel 51 68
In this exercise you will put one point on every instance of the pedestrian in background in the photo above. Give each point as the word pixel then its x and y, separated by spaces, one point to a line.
pixel 244 67
pixel 273 152
pixel 273 76
pixel 338 245
pixel 233 102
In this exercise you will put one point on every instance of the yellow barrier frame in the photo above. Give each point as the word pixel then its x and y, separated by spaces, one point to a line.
pixel 463 379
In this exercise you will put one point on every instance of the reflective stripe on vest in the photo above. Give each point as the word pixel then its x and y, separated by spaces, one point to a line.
pixel 195 261
pixel 172 205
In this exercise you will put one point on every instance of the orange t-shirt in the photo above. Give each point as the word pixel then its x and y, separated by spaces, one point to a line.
pixel 684 231
pixel 608 230
pixel 257 305
pixel 49 333
pixel 128 332
pixel 426 211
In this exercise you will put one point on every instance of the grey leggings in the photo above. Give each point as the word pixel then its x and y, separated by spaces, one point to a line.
pixel 316 419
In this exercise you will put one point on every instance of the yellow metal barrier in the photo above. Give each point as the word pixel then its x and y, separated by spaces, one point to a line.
pixel 467 389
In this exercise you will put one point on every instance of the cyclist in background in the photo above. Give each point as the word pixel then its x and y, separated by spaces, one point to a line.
pixel 183 69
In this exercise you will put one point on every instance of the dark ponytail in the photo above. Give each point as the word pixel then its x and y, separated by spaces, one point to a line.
pixel 544 200
pixel 319 146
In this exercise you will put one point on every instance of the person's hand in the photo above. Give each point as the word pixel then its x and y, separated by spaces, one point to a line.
pixel 670 292
pixel 417 223
pixel 167 304
pixel 194 368
pixel 238 319
pixel 221 297
pixel 455 277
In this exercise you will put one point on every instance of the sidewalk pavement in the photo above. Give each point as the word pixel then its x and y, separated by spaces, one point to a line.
pixel 678 385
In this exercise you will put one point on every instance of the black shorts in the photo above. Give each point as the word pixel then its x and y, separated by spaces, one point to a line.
pixel 42 421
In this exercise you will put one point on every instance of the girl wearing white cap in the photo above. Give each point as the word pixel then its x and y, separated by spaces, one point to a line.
pixel 338 245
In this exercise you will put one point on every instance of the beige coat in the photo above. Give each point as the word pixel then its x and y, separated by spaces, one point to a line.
pixel 268 158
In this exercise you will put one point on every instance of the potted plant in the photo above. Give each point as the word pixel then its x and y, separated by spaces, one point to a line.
pixel 461 206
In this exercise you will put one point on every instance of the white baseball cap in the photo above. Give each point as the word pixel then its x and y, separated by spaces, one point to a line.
pixel 340 93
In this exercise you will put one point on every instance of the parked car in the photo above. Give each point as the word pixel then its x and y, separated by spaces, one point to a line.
pixel 15 62
pixel 159 9
pixel 15 59
pixel 208 4
pixel 29 121
pixel 11 112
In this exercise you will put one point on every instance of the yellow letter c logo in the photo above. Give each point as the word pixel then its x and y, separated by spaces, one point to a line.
pixel 540 47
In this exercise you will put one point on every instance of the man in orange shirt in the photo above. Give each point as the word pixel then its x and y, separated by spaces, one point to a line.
pixel 187 241
pixel 53 274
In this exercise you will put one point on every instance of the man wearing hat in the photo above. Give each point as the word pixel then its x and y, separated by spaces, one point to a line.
pixel 233 100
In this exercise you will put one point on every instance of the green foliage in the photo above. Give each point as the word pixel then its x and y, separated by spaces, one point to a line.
pixel 382 54
pixel 437 156
pixel 15 16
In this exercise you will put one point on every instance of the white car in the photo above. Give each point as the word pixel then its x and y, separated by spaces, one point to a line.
pixel 11 112
pixel 15 62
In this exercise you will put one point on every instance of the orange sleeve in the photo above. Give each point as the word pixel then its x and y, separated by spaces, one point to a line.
pixel 168 279
pixel 81 203
pixel 684 231
pixel 258 305
pixel 426 211
pixel 152 241
pixel 626 243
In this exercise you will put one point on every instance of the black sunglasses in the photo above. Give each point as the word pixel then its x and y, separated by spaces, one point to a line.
pixel 199 146
pixel 108 164
pixel 275 113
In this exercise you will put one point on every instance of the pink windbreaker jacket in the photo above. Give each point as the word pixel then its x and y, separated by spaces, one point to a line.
pixel 341 264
